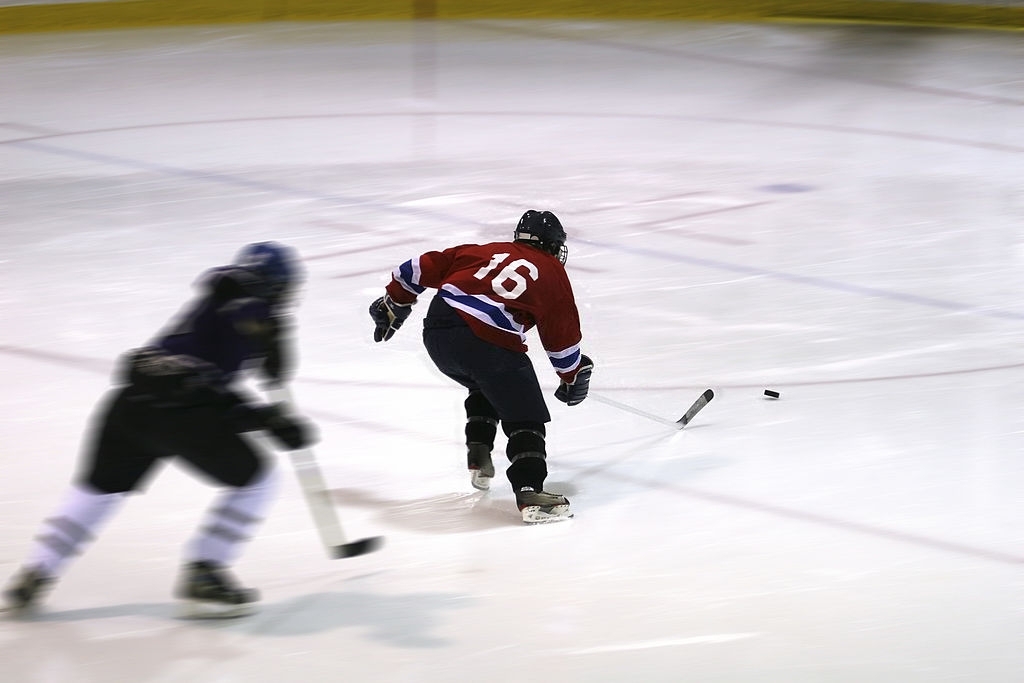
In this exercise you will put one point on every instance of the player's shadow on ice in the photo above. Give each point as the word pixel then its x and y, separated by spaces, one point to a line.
pixel 446 513
pixel 129 609
pixel 406 620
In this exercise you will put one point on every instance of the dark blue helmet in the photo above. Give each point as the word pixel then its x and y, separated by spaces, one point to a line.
pixel 275 265
pixel 542 230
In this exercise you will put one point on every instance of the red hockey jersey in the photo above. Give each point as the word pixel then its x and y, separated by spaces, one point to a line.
pixel 501 290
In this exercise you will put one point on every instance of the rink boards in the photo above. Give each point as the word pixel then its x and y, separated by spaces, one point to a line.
pixel 46 15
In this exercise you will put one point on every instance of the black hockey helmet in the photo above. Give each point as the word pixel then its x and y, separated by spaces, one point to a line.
pixel 542 230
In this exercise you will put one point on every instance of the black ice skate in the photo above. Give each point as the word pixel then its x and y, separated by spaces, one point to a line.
pixel 27 590
pixel 207 591
pixel 481 469
pixel 539 507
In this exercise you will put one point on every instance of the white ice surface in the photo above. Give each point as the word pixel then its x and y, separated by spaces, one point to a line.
pixel 832 212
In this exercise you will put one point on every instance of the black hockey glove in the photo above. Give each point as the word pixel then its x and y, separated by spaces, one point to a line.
pixel 289 431
pixel 388 315
pixel 574 393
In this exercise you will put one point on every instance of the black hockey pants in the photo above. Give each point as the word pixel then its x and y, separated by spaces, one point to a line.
pixel 130 437
pixel 506 378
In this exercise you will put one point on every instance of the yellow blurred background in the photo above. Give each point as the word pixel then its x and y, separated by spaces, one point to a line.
pixel 47 15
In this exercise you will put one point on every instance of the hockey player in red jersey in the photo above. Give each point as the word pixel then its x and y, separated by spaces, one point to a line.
pixel 488 297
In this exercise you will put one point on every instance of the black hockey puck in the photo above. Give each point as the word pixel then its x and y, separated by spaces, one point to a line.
pixel 771 394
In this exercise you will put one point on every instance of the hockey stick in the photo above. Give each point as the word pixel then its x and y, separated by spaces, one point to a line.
pixel 317 495
pixel 692 411
pixel 697 406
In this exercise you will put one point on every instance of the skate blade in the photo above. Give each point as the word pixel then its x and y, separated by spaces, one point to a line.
pixel 535 514
pixel 198 609
pixel 479 480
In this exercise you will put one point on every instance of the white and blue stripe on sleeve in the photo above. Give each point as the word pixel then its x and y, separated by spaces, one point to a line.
pixel 565 360
pixel 408 275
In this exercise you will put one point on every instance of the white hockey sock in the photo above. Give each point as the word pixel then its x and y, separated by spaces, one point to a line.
pixel 231 521
pixel 75 523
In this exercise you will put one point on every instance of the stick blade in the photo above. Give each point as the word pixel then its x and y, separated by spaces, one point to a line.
pixel 360 547
pixel 697 406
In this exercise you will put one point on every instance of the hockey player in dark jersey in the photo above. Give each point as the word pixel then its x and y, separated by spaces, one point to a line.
pixel 488 297
pixel 179 397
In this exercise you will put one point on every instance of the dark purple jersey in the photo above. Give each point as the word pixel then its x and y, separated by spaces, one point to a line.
pixel 227 326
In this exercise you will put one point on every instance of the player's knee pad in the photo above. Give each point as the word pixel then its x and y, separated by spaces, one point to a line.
pixel 524 437
pixel 481 430
pixel 527 468
pixel 481 419
pixel 477 405
pixel 526 454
